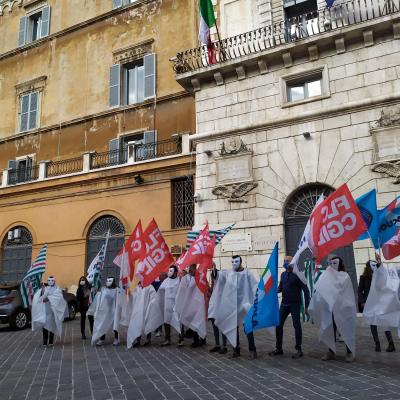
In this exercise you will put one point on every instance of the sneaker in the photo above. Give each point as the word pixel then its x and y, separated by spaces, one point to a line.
pixel 180 343
pixel 349 358
pixel 252 355
pixel 50 345
pixel 166 343
pixel 276 353
pixel 158 334
pixel 235 354
pixel 391 348
pixel 297 355
pixel 377 347
pixel 215 349
pixel 224 350
pixel 100 343
pixel 116 342
pixel 328 356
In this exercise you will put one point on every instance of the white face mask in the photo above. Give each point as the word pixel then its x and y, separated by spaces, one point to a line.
pixel 171 272
pixel 235 263
pixel 334 263
pixel 82 283
pixel 109 282
pixel 51 281
pixel 373 265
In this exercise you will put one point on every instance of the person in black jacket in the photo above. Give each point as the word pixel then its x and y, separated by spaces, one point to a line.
pixel 291 287
pixel 83 296
pixel 364 287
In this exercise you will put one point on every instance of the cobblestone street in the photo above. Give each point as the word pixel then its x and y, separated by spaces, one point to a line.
pixel 73 369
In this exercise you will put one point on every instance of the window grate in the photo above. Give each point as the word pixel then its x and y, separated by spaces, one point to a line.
pixel 183 202
pixel 102 225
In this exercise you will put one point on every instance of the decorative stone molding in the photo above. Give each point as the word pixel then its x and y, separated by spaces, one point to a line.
pixel 388 168
pixel 389 117
pixel 233 145
pixel 134 52
pixel 29 86
pixel 9 4
pixel 235 193
pixel 34 5
pixel 340 45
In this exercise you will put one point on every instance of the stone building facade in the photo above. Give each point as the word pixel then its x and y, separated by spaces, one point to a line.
pixel 286 113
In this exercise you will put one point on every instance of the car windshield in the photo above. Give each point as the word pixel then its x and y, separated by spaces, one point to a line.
pixel 4 292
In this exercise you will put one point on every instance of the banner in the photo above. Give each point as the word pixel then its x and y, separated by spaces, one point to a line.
pixel 335 222
pixel 219 235
pixel 367 206
pixel 156 257
pixel 389 222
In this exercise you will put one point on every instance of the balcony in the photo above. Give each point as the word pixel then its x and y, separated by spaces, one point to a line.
pixel 93 161
pixel 284 32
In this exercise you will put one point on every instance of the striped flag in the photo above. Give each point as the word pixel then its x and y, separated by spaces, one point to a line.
pixel 192 235
pixel 31 282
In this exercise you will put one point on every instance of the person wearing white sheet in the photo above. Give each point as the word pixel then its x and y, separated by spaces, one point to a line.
pixel 48 311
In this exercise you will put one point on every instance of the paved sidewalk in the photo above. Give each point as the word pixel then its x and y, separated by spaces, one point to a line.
pixel 73 369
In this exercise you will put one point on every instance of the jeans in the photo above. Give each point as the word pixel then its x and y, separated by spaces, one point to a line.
pixel 216 335
pixel 284 311
pixel 348 351
pixel 250 340
pixel 48 337
pixel 374 331
pixel 83 321
pixel 91 322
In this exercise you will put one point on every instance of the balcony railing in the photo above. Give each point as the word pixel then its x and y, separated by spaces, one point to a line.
pixel 284 32
pixel 159 149
pixel 108 158
pixel 22 175
pixel 64 167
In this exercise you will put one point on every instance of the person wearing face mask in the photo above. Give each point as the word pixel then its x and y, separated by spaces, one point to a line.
pixel 162 309
pixel 378 294
pixel 104 314
pixel 83 297
pixel 291 288
pixel 230 301
pixel 333 307
pixel 48 311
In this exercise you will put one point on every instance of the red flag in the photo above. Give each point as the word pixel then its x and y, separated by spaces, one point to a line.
pixel 156 257
pixel 335 222
pixel 211 52
pixel 201 272
pixel 391 248
pixel 134 248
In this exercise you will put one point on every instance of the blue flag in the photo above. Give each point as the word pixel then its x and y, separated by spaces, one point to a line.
pixel 329 3
pixel 264 313
pixel 367 206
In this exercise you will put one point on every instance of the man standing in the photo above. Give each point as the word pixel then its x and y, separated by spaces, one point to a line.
pixel 230 301
pixel 291 287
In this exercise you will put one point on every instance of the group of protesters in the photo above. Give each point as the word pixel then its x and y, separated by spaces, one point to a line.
pixel 174 302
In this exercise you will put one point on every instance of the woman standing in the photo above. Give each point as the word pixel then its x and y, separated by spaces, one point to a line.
pixel 83 296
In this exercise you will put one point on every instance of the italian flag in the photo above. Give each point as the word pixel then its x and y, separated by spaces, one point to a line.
pixel 207 20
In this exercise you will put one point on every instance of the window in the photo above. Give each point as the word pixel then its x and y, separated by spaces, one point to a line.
pixel 304 90
pixel 22 170
pixel 183 202
pixel 133 82
pixel 28 115
pixel 34 26
pixel 121 3
pixel 301 18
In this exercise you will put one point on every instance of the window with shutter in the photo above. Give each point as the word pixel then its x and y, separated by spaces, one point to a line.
pixel 22 31
pixel 34 26
pixel 114 151
pixel 29 111
pixel 45 28
pixel 149 62
pixel 115 82
pixel 150 144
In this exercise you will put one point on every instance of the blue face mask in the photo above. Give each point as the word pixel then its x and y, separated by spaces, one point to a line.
pixel 286 264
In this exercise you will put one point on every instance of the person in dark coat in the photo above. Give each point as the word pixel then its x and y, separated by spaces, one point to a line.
pixel 83 296
pixel 291 287
pixel 364 287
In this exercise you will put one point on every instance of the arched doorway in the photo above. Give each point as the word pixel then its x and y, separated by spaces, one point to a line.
pixel 297 211
pixel 96 237
pixel 16 254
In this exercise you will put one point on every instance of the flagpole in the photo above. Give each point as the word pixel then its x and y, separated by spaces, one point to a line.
pixel 219 40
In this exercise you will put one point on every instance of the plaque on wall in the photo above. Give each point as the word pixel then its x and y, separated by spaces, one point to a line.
pixel 234 169
pixel 236 242
pixel 386 143
pixel 266 243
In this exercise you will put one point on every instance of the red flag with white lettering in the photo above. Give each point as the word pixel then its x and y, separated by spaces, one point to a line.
pixel 156 257
pixel 201 272
pixel 335 222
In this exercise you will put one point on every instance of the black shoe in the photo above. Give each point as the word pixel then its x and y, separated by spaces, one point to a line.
pixel 203 342
pixel 136 344
pixel 235 354
pixel 377 347
pixel 147 343
pixel 252 355
pixel 83 337
pixel 276 353
pixel 195 345
pixel 391 348
pixel 297 355
pixel 224 350
pixel 215 349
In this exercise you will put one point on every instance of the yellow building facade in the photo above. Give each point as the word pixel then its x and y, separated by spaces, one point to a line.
pixel 95 130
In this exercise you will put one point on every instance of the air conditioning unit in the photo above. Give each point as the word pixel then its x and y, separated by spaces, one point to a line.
pixel 17 233
pixel 10 235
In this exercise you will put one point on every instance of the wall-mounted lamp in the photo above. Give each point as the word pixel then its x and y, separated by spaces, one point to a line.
pixel 307 135
pixel 197 198
pixel 138 179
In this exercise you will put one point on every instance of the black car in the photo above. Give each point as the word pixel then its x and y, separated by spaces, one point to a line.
pixel 13 312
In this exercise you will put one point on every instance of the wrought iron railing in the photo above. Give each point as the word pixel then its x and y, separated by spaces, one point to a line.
pixel 162 148
pixel 23 175
pixel 64 167
pixel 108 158
pixel 287 31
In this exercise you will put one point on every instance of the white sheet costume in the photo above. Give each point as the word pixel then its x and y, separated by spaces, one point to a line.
pixel 123 309
pixel 104 312
pixel 190 306
pixel 161 310
pixel 49 315
pixel 382 307
pixel 334 294
pixel 230 301
pixel 143 299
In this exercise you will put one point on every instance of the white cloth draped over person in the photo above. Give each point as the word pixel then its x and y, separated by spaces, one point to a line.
pixel 382 307
pixel 161 311
pixel 334 295
pixel 143 299
pixel 190 306
pixel 123 309
pixel 104 312
pixel 230 301
pixel 49 314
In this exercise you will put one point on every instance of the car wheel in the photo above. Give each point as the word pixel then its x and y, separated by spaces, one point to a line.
pixel 19 320
pixel 71 311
